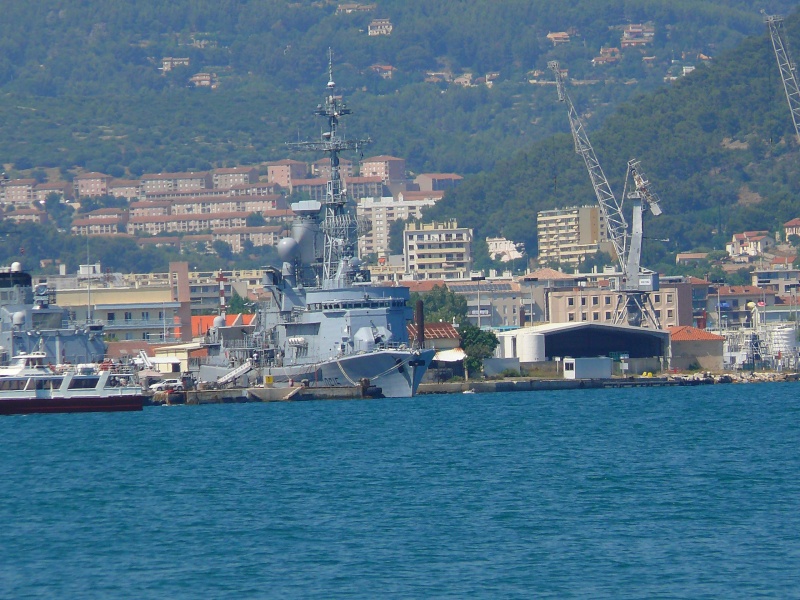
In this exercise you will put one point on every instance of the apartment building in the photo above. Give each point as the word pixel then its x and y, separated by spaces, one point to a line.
pixel 437 250
pixel 42 191
pixel 382 212
pixel 599 304
pixel 570 235
pixel 175 182
pixel 186 223
pixel 389 168
pixel 91 185
pixel 19 192
pixel 129 189
pixel 225 179
pixel 283 171
pixel 104 221
pixel 237 239
pixel 435 182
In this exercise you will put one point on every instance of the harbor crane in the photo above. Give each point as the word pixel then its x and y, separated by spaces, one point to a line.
pixel 786 67
pixel 634 304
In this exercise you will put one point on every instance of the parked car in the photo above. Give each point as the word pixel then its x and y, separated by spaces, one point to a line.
pixel 167 384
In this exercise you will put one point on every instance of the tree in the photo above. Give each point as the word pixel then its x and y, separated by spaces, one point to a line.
pixel 255 220
pixel 478 344
pixel 237 305
pixel 440 304
pixel 223 249
pixel 396 236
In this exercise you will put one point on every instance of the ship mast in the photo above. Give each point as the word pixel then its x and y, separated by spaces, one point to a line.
pixel 340 228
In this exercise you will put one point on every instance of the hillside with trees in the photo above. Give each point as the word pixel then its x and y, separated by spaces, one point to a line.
pixel 83 88
pixel 719 146
pixel 88 89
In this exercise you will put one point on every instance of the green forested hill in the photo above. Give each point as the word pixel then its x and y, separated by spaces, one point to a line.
pixel 718 146
pixel 80 88
pixel 80 85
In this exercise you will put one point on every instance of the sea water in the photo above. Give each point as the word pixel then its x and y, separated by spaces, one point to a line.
pixel 632 493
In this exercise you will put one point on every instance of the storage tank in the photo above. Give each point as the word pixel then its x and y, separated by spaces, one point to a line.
pixel 530 347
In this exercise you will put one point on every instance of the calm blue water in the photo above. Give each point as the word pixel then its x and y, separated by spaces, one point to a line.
pixel 668 493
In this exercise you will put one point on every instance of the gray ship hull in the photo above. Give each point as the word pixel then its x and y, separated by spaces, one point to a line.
pixel 396 372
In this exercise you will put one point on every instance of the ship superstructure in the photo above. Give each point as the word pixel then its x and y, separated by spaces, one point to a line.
pixel 323 323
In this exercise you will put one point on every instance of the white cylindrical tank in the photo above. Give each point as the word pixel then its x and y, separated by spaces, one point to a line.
pixel 530 347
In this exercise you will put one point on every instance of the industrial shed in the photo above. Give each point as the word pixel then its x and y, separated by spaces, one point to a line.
pixel 646 349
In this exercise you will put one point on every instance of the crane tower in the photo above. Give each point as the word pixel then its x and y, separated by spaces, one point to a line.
pixel 786 67
pixel 634 305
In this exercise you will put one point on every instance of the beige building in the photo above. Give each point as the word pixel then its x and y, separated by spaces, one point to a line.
pixel 438 250
pixel 492 302
pixel 389 168
pixel 693 348
pixel 186 223
pixel 91 184
pixel 225 179
pixel 283 171
pixel 598 304
pixel 382 212
pixel 268 235
pixel 569 235
pixel 20 192
pixel 179 182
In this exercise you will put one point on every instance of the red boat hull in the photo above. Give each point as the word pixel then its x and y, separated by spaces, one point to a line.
pixel 68 405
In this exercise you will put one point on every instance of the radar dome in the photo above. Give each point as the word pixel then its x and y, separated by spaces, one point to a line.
pixel 355 263
pixel 16 267
pixel 18 318
pixel 287 249
pixel 219 321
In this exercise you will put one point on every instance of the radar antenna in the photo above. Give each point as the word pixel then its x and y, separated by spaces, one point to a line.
pixel 340 229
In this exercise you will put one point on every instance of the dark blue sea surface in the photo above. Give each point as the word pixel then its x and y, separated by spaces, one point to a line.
pixel 634 493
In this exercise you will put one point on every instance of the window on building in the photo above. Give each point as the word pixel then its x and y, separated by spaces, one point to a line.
pixel 657 298
pixel 570 317
pixel 669 298
pixel 595 300
pixel 595 316
pixel 608 315
pixel 670 313
pixel 145 315
pixel 607 300
pixel 583 301
pixel 128 316
pixel 584 316
pixel 570 301
pixel 111 317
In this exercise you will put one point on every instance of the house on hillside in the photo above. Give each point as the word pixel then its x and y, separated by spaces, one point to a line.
pixel 750 243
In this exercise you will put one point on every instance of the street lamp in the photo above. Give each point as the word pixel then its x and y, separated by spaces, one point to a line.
pixel 478 279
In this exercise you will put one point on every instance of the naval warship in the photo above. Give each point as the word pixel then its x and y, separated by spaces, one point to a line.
pixel 322 322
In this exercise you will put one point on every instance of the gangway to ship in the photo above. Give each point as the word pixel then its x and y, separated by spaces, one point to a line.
pixel 234 374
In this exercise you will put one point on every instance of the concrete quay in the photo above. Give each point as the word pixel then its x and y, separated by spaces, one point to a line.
pixel 295 394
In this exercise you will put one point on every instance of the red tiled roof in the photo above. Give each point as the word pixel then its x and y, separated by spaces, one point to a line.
pixel 423 286
pixel 686 333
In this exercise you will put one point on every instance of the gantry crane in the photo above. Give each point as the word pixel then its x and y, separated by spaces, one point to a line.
pixel 786 67
pixel 634 305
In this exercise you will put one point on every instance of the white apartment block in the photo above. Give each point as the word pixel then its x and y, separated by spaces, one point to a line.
pixel 438 250
pixel 382 212
pixel 569 235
